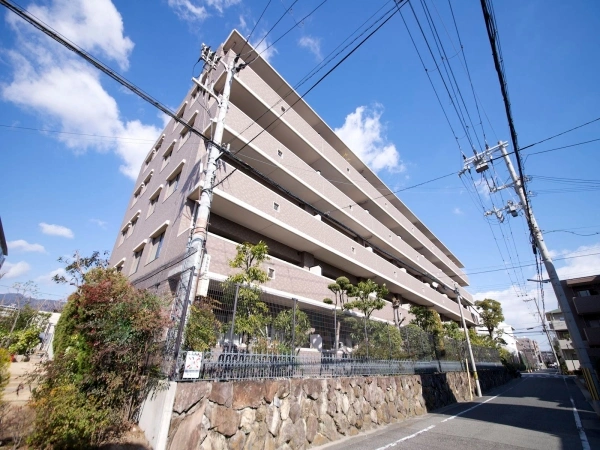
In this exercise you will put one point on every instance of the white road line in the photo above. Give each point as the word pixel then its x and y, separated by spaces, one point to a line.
pixel 582 436
pixel 406 438
pixel 424 430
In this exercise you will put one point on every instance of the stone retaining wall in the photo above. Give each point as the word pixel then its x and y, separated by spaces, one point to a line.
pixel 302 413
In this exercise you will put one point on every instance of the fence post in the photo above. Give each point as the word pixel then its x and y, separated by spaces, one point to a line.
pixel 237 290
pixel 294 327
pixel 387 325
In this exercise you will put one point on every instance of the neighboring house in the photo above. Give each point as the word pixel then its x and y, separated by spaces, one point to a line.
pixel 548 357
pixel 365 231
pixel 583 295
pixel 562 343
pixel 529 350
pixel 3 246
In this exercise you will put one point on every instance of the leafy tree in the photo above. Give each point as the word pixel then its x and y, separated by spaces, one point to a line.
pixel 106 362
pixel 284 323
pixel 385 340
pixel 416 342
pixel 453 331
pixel 341 289
pixel 201 329
pixel 78 266
pixel 252 317
pixel 426 318
pixel 491 313
pixel 368 298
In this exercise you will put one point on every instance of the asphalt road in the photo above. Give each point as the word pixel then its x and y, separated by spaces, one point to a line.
pixel 533 412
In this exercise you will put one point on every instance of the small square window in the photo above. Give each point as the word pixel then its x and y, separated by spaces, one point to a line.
pixel 137 257
pixel 279 153
pixel 173 184
pixel 271 273
pixel 153 202
pixel 276 206
pixel 166 158
pixel 157 243
pixel 131 227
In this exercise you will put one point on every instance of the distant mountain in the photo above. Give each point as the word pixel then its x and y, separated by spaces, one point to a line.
pixel 19 301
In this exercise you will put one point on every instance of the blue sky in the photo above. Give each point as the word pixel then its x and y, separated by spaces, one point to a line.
pixel 66 188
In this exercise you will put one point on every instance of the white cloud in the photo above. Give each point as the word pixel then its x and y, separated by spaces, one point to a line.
pixel 221 5
pixel 313 45
pixel 47 277
pixel 21 245
pixel 15 270
pixel 66 93
pixel 457 211
pixel 579 266
pixel 196 10
pixel 94 25
pixel 364 133
pixel 100 223
pixel 263 47
pixel 56 230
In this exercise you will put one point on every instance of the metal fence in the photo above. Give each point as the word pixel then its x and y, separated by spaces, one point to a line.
pixel 262 335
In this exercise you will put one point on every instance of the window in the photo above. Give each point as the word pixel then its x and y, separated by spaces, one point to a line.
pixel 157 246
pixel 131 227
pixel 153 202
pixel 276 206
pixel 185 131
pixel 180 114
pixel 271 273
pixel 123 235
pixel 119 266
pixel 137 257
pixel 167 157
pixel 173 183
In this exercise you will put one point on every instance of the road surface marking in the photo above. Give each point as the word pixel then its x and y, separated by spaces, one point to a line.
pixel 424 430
pixel 406 438
pixel 582 436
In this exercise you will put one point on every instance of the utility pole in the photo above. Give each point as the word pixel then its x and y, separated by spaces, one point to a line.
pixel 544 327
pixel 480 162
pixel 197 244
pixel 466 330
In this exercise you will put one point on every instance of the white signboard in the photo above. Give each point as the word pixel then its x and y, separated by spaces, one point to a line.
pixel 193 364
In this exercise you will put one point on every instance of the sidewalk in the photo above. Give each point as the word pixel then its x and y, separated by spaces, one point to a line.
pixel 18 391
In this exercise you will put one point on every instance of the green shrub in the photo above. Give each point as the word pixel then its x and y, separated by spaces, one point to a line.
pixel 201 329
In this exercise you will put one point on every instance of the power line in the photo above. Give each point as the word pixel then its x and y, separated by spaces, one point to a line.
pixel 296 24
pixel 273 27
pixel 255 25
pixel 560 134
pixel 44 130
pixel 529 265
pixel 563 147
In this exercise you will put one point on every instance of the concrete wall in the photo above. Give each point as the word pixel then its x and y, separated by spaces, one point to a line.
pixel 155 415
pixel 302 413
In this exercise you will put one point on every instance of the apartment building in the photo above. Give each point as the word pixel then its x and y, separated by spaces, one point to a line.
pixel 583 295
pixel 529 350
pixel 323 213
pixel 566 351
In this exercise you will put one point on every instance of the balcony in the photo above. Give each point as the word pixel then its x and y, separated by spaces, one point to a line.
pixel 252 205
pixel 305 140
pixel 281 164
pixel 558 325
pixel 592 335
pixel 565 344
pixel 587 305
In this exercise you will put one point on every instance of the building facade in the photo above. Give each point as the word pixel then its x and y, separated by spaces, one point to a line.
pixel 529 351
pixel 323 213
pixel 562 343
pixel 583 295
